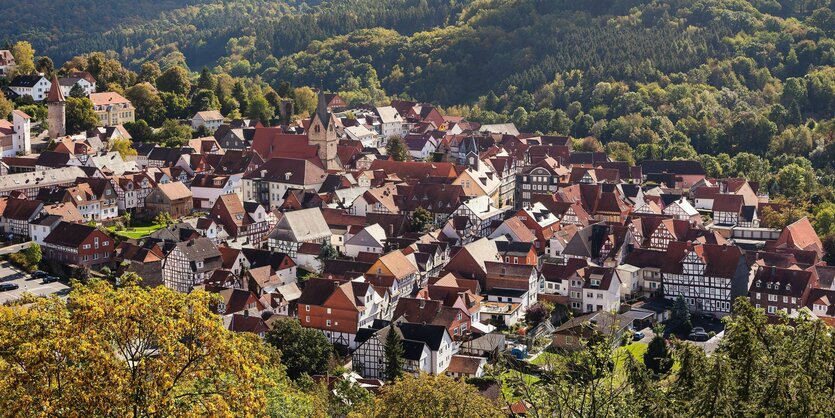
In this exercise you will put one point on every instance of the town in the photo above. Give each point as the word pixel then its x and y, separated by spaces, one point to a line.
pixel 360 221
pixel 468 241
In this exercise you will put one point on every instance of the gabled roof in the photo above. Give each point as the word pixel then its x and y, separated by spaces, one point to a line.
pixel 22 209
pixel 431 335
pixel 108 98
pixel 69 234
pixel 727 202
pixel 800 235
pixel 175 190
pixel 304 225
pixel 289 170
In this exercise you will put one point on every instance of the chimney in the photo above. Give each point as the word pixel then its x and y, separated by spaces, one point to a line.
pixel 263 173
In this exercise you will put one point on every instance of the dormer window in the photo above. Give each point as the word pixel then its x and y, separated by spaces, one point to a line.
pixel 759 283
pixel 788 286
pixel 768 285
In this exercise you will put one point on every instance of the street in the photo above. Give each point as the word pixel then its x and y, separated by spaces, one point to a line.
pixel 15 248
pixel 27 283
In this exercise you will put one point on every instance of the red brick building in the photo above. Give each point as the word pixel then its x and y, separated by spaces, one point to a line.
pixel 78 244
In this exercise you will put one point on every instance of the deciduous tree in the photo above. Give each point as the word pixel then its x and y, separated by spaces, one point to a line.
pixel 303 350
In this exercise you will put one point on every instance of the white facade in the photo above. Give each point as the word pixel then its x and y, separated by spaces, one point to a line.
pixel 38 92
pixel 22 136
pixel 87 86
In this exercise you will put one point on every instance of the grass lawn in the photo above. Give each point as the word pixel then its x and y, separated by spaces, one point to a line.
pixel 637 351
pixel 137 231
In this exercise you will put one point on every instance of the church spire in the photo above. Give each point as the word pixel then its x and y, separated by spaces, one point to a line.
pixel 55 94
pixel 322 109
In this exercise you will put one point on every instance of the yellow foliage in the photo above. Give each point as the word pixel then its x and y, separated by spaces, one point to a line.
pixel 129 352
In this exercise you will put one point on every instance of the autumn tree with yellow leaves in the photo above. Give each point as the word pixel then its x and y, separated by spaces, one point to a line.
pixel 136 352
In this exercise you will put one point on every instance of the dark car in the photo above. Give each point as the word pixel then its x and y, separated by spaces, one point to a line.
pixel 39 274
pixel 698 334
pixel 51 279
pixel 5 287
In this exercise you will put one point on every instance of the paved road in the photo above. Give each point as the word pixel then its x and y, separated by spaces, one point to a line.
pixel 15 248
pixel 27 283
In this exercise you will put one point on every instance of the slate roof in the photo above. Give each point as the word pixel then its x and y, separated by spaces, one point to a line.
pixel 69 234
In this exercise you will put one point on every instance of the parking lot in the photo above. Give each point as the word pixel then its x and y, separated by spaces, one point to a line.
pixel 27 283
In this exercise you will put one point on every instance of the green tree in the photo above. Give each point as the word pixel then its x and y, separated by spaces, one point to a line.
pixel 204 100
pixel 303 350
pixel 149 72
pixel 794 181
pixel 422 220
pixel 77 91
pixel 680 317
pixel 176 105
pixel 34 254
pixel 174 80
pixel 80 115
pixel 259 108
pixel 172 133
pixel 328 252
pixel 45 66
pixel 825 219
pixel 750 166
pixel 657 357
pixel 140 131
pixel 393 354
pixel 396 149
pixel 164 219
pixel 148 104
pixel 620 151
pixel 206 81
pixel 431 396
pixel 304 99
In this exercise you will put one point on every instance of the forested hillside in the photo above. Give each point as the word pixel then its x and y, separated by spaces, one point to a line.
pixel 197 32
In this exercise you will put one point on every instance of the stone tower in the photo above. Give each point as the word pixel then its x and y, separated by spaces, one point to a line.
pixel 322 133
pixel 22 138
pixel 56 110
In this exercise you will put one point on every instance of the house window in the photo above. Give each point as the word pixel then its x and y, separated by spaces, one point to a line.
pixel 328 323
pixel 772 309
pixel 307 308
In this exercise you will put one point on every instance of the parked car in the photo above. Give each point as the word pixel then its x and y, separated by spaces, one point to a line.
pixel 698 334
pixel 637 335
pixel 5 287
pixel 39 274
pixel 51 279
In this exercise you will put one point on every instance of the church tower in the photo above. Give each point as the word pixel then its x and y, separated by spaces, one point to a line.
pixel 56 110
pixel 322 133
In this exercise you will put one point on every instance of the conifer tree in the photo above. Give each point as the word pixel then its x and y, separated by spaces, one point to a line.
pixel 393 350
